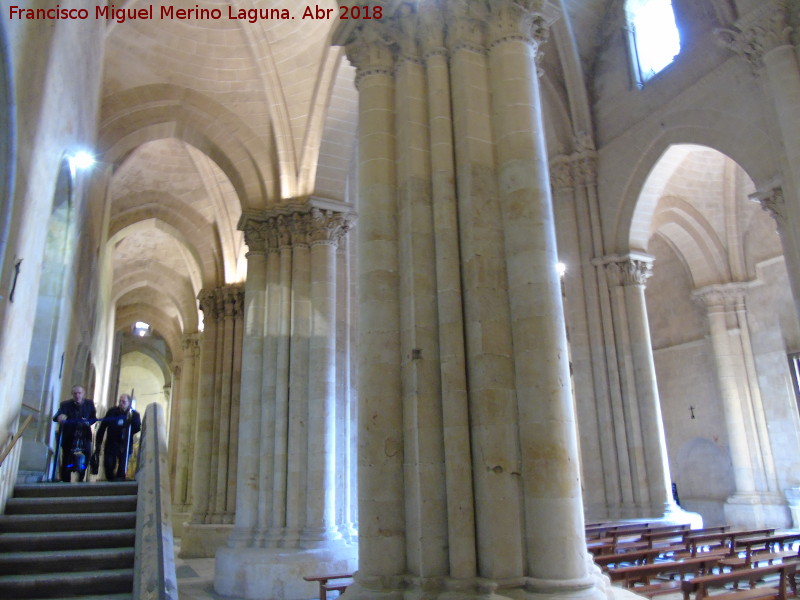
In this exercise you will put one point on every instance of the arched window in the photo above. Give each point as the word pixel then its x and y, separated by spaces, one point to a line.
pixel 654 37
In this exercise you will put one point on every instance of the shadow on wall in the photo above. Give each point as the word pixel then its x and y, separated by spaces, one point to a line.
pixel 704 475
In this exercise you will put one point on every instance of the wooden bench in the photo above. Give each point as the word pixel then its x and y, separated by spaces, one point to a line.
pixel 331 583
pixel 700 586
pixel 721 543
pixel 760 549
pixel 634 557
pixel 639 578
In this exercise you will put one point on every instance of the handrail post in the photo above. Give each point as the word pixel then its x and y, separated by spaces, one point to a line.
pixel 154 562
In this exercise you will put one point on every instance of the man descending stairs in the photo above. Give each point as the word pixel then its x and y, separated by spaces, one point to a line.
pixel 69 540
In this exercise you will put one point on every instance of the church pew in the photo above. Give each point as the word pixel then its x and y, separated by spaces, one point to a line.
pixel 700 586
pixel 331 583
pixel 639 578
pixel 760 549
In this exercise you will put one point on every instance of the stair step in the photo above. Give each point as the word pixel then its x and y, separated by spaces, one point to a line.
pixel 62 522
pixel 66 540
pixel 89 597
pixel 71 505
pixel 50 561
pixel 99 488
pixel 85 583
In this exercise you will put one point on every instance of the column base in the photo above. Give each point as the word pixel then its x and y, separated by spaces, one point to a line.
pixel 675 515
pixel 202 541
pixel 179 518
pixel 757 510
pixel 277 574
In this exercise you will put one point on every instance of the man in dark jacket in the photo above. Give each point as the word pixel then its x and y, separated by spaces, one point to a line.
pixel 122 423
pixel 76 417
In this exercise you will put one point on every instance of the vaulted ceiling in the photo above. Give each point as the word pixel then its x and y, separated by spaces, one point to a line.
pixel 203 118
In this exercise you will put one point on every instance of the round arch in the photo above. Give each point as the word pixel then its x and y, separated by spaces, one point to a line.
pixel 742 141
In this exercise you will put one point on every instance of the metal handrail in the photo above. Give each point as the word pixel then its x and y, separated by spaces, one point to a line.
pixel 154 561
pixel 14 439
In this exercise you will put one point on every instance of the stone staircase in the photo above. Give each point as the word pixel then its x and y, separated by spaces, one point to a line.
pixel 68 540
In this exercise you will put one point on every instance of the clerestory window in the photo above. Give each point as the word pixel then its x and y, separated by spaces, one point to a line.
pixel 653 35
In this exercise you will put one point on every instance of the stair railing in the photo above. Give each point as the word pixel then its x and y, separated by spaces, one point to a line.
pixel 14 439
pixel 154 563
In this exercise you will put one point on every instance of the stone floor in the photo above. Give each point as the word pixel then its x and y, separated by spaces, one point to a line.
pixel 195 577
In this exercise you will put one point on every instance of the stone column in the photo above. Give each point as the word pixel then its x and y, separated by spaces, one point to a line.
pixel 288 426
pixel 216 425
pixel 548 441
pixel 607 490
pixel 250 403
pixel 752 504
pixel 645 429
pixel 325 230
pixel 181 498
pixel 382 543
pixel 762 37
pixel 501 398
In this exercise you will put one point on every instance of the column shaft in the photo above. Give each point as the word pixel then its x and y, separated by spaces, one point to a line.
pixel 734 417
pixel 380 460
pixel 548 445
pixel 297 456
pixel 321 471
pixel 455 411
pixel 486 314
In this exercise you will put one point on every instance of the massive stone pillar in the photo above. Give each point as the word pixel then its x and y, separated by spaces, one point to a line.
pixel 762 37
pixel 216 423
pixel 468 463
pixel 288 516
pixel 757 501
pixel 641 410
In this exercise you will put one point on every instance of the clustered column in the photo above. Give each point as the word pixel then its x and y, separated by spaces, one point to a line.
pixel 287 464
pixel 646 442
pixel 482 492
pixel 217 416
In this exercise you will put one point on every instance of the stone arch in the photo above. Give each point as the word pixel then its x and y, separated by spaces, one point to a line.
pixel 158 278
pixel 139 220
pixel 165 325
pixel 149 113
pixel 742 141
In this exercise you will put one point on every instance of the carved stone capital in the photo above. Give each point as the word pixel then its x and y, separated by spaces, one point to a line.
pixel 191 345
pixel 518 20
pixel 773 202
pixel 328 226
pixel 628 270
pixel 230 300
pixel 585 168
pixel 372 49
pixel 561 176
pixel 761 30
pixel 723 297
pixel 299 224
pixel 430 28
pixel 465 23
pixel 208 304
pixel 256 233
